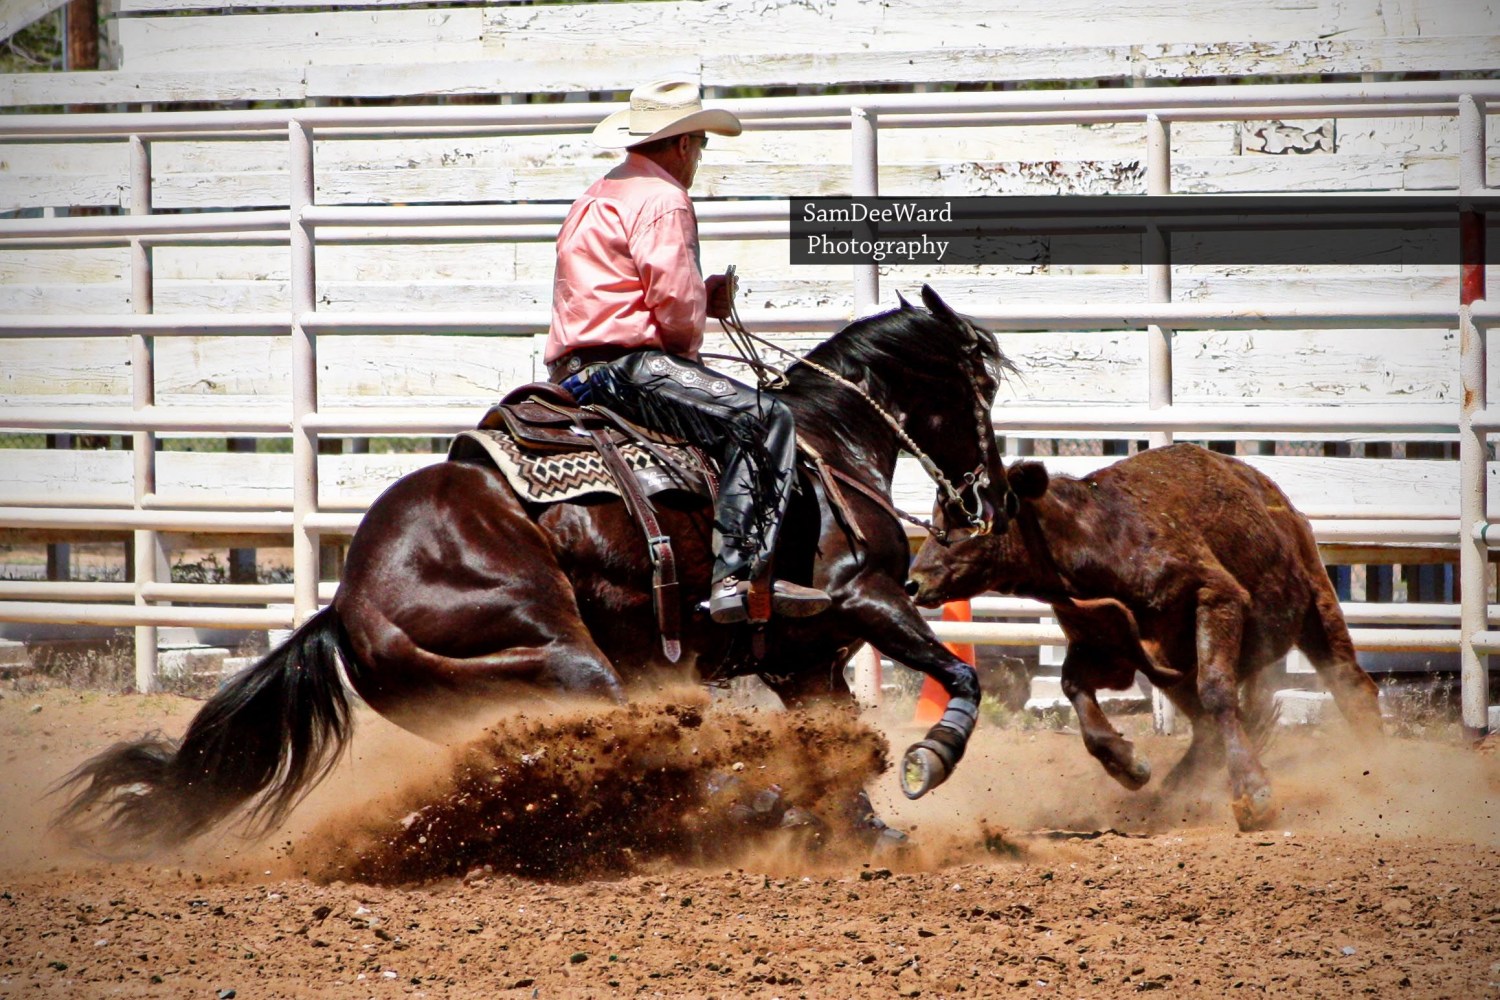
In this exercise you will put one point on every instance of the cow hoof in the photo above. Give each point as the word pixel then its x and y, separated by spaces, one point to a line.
pixel 1254 810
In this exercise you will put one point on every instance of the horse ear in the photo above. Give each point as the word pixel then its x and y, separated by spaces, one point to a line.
pixel 905 305
pixel 1028 479
pixel 938 307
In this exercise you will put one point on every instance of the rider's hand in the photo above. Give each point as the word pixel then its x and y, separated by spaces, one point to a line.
pixel 721 289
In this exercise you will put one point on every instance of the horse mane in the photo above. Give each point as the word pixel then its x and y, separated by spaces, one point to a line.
pixel 909 345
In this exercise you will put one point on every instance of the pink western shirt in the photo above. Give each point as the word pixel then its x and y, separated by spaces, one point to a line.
pixel 627 266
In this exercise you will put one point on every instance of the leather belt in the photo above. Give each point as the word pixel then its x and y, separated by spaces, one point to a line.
pixel 580 358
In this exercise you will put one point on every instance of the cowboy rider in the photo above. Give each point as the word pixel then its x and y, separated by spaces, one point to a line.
pixel 629 305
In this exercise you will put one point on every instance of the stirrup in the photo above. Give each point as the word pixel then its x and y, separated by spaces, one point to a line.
pixel 727 603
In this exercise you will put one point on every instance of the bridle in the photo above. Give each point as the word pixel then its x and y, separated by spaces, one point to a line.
pixel 975 481
pixel 978 480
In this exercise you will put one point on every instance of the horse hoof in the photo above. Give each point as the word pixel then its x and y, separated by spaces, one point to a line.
pixel 1254 810
pixel 797 817
pixel 768 801
pixel 922 770
pixel 889 842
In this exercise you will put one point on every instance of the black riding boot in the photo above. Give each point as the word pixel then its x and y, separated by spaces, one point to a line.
pixel 745 532
pixel 728 599
pixel 755 437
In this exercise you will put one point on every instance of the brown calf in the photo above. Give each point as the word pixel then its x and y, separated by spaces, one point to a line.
pixel 1179 562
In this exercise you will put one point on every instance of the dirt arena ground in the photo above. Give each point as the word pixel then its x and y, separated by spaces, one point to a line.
pixel 1030 873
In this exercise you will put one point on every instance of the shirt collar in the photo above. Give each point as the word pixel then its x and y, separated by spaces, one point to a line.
pixel 641 166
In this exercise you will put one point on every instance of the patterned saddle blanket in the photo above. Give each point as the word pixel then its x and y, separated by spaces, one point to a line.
pixel 541 440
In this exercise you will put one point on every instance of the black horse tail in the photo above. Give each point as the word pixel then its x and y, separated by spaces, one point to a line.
pixel 259 745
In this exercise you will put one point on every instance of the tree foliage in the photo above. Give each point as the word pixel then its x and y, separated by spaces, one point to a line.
pixel 36 48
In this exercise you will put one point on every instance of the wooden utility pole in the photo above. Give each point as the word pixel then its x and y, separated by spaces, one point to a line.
pixel 82 20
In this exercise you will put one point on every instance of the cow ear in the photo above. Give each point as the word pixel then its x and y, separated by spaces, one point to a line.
pixel 1028 479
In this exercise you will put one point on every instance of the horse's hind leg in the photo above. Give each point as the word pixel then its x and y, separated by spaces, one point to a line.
pixel 443 696
pixel 1220 629
pixel 463 609
pixel 1325 640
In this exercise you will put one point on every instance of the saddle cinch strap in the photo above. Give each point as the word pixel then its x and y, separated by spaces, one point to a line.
pixel 658 545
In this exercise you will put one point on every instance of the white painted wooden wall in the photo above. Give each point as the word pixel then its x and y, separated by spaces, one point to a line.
pixel 178 50
pixel 173 50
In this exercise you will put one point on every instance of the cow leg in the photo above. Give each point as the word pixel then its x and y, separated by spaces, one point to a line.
pixel 1220 627
pixel 1100 738
pixel 1205 752
pixel 1325 640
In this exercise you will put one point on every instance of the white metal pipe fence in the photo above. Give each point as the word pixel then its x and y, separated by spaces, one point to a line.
pixel 1231 103
pixel 304 225
pixel 1473 444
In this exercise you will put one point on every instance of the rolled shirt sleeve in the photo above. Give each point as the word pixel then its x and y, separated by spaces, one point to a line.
pixel 666 251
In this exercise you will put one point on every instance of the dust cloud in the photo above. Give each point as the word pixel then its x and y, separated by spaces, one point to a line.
pixel 593 792
pixel 583 792
pixel 1022 785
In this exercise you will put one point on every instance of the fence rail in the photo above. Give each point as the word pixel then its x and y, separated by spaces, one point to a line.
pixel 305 225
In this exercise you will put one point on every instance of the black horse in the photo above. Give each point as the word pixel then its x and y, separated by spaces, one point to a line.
pixel 458 597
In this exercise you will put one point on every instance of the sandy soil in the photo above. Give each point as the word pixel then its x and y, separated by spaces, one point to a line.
pixel 1029 873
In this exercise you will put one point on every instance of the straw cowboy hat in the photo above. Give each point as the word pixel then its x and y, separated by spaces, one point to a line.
pixel 659 110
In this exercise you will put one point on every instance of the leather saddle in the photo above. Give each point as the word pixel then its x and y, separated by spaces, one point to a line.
pixel 544 418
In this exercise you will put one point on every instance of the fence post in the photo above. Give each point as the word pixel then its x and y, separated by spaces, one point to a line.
pixel 1473 553
pixel 59 554
pixel 242 560
pixel 304 377
pixel 865 183
pixel 867 676
pixel 1157 259
pixel 1156 256
pixel 149 561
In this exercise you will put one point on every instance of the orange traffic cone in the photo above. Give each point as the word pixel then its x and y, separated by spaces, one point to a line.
pixel 933 699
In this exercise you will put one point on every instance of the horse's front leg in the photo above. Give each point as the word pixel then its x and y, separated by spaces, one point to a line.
pixel 798 691
pixel 891 623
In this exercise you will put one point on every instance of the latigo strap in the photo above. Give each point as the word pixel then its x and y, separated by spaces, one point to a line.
pixel 658 545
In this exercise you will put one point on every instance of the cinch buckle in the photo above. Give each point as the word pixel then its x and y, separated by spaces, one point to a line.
pixel 655 543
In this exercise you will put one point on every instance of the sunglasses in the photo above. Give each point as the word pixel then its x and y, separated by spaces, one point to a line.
pixel 702 140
